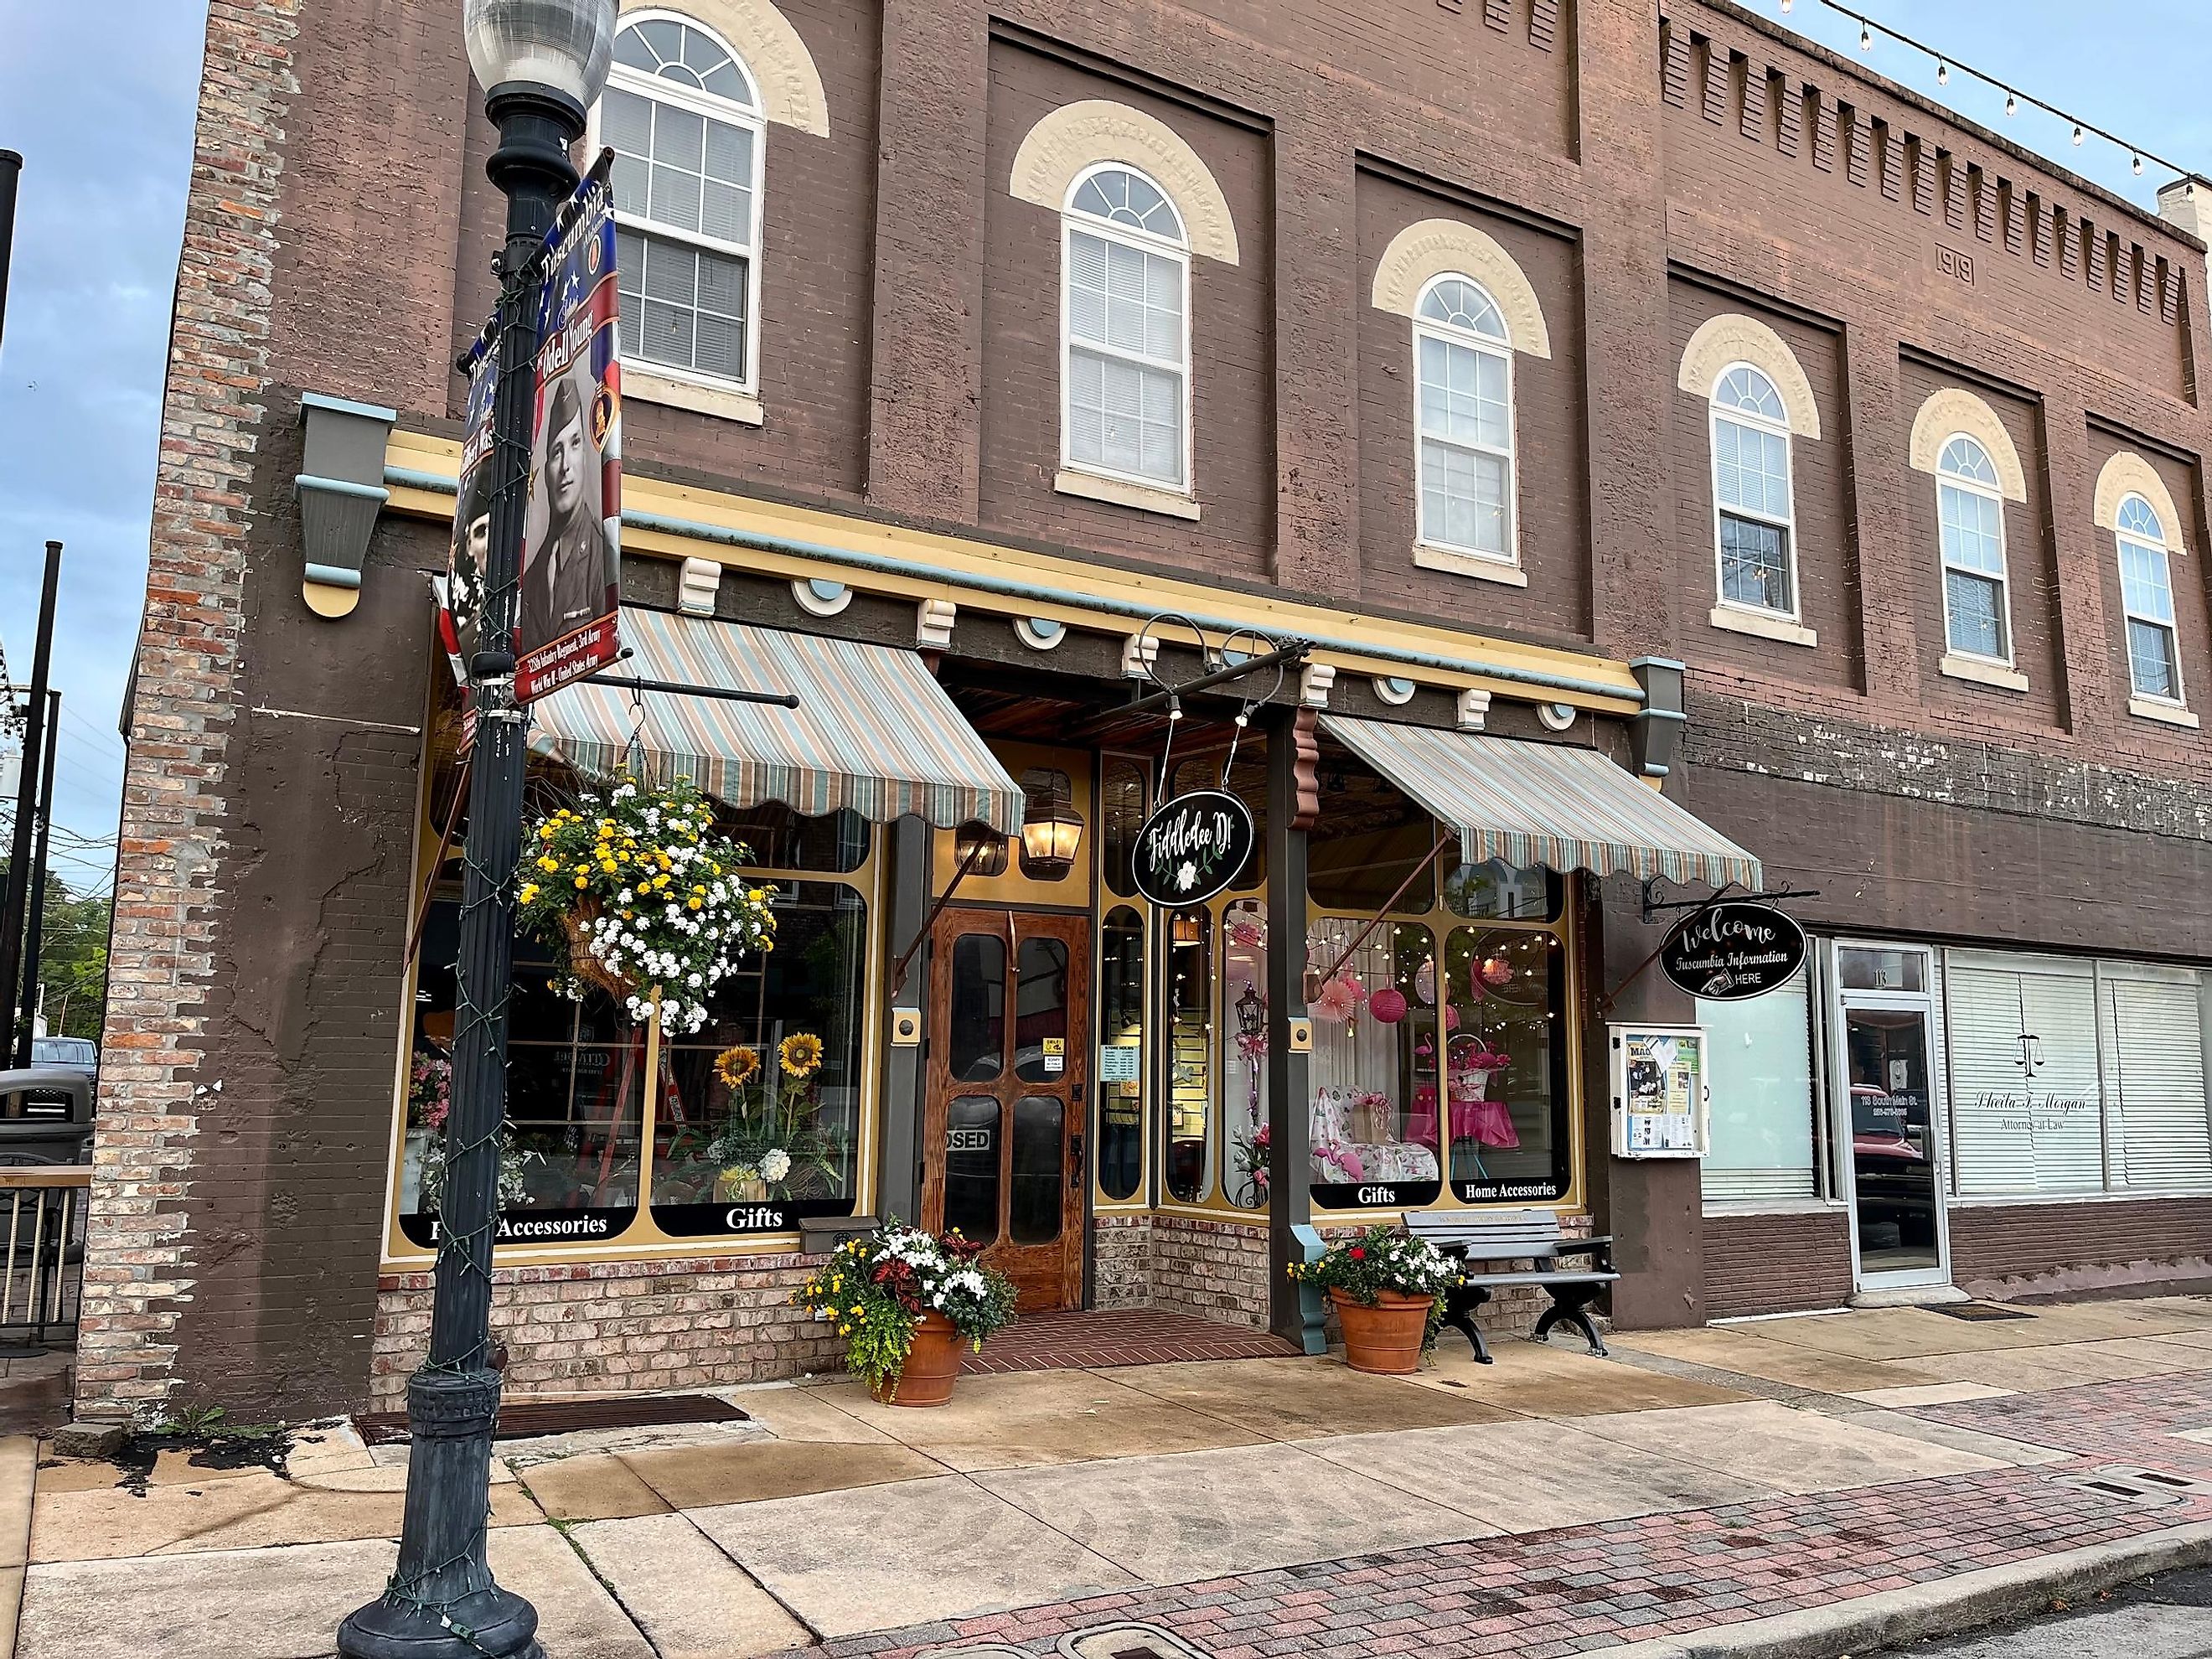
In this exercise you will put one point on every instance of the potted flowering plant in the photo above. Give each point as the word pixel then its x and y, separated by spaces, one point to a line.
pixel 1385 1288
pixel 766 1146
pixel 650 903
pixel 904 1300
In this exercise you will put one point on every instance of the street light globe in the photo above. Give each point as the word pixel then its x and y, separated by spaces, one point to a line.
pixel 566 44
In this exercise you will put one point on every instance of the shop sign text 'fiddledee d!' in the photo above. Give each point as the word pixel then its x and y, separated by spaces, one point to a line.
pixel 1193 847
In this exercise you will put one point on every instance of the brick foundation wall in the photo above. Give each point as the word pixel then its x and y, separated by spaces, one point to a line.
pixel 1121 1260
pixel 2047 1249
pixel 616 1325
pixel 1217 1269
pixel 1761 1264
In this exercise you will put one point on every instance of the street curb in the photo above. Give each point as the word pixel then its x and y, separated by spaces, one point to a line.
pixel 1942 1606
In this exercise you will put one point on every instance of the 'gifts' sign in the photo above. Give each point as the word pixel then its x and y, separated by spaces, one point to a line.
pixel 1193 847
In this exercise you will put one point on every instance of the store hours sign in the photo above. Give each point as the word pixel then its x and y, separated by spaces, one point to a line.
pixel 1193 847
pixel 1732 951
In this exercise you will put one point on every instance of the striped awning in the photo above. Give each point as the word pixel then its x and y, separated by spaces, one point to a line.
pixel 1544 803
pixel 873 732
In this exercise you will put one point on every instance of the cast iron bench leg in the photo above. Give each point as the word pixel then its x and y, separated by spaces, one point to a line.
pixel 1460 1306
pixel 1568 1306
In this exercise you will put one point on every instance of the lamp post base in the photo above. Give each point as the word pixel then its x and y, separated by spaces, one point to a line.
pixel 492 1624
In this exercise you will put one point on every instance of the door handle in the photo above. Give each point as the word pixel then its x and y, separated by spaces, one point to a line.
pixel 1074 1162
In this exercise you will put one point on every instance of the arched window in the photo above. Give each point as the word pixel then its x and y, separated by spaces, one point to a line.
pixel 2147 597
pixel 684 119
pixel 1124 261
pixel 1752 495
pixel 1970 515
pixel 1465 392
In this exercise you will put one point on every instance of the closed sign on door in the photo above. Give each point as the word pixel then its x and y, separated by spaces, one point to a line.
pixel 968 1140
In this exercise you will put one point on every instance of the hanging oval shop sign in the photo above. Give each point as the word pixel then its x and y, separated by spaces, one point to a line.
pixel 1193 847
pixel 1731 950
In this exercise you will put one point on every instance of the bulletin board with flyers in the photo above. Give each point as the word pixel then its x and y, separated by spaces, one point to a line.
pixel 1660 1093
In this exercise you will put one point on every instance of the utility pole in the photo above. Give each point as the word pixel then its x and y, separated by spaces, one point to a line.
pixel 28 1023
pixel 11 169
pixel 26 804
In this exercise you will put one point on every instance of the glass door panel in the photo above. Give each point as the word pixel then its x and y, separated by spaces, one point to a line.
pixel 1897 1199
pixel 1040 1156
pixel 971 1167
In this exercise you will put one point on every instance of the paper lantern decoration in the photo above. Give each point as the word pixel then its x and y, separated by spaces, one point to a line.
pixel 1425 983
pixel 1388 1005
pixel 1496 970
pixel 1451 1018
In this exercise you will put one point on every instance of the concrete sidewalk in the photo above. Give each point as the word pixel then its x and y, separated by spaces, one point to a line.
pixel 1839 1475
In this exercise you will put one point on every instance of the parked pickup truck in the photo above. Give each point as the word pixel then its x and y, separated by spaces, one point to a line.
pixel 45 1115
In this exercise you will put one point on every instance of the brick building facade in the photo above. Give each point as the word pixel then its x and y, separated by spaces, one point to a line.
pixel 2004 817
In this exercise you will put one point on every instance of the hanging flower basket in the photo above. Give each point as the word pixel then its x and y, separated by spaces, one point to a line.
pixel 645 898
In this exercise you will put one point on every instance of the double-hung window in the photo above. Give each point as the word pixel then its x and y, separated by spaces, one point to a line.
pixel 2146 596
pixel 1465 462
pixel 1126 325
pixel 683 119
pixel 1752 495
pixel 1970 515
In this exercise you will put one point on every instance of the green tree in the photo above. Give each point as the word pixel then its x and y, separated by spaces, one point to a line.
pixel 72 958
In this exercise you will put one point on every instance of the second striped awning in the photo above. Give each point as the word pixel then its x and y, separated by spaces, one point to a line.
pixel 873 732
pixel 1543 803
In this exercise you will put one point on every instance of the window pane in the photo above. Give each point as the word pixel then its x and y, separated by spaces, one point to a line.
pixel 665 335
pixel 971 1167
pixel 2143 581
pixel 1495 890
pixel 2150 659
pixel 726 214
pixel 2157 1118
pixel 1755 564
pixel 1040 1011
pixel 776 837
pixel 976 1044
pixel 626 123
pixel 675 197
pixel 1243 1051
pixel 746 1139
pixel 1377 1071
pixel 576 1096
pixel 679 138
pixel 1973 530
pixel 672 271
pixel 1866 969
pixel 1759 1057
pixel 1975 606
pixel 1190 1076
pixel 1125 417
pixel 1120 815
pixel 1121 1066
pixel 1039 1162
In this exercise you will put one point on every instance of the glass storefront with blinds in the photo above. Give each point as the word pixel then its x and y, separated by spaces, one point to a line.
pixel 1760 1060
pixel 2071 1076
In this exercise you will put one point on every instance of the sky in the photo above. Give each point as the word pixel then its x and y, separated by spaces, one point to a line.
pixel 106 156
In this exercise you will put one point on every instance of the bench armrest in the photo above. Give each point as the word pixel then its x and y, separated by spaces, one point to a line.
pixel 1600 1247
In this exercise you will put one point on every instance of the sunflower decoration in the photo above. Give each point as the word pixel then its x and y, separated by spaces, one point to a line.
pixel 800 1054
pixel 737 1067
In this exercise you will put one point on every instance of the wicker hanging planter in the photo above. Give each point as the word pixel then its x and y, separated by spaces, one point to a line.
pixel 583 963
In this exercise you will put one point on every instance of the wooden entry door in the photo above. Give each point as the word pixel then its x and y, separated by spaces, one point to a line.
pixel 1008 1062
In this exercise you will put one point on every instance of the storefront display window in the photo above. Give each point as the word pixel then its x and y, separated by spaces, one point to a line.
pixel 1369 840
pixel 1495 890
pixel 1378 1066
pixel 1506 1068
pixel 1122 1054
pixel 569 1171
pixel 1190 1116
pixel 1121 816
pixel 758 1124
pixel 1242 1056
pixel 1760 1061
pixel 780 839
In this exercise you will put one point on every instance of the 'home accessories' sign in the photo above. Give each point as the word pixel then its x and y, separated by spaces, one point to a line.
pixel 1193 847
pixel 1732 951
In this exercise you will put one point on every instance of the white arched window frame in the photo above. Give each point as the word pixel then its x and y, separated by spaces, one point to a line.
pixel 2147 599
pixel 1464 455
pixel 684 115
pixel 1969 527
pixel 1754 495
pixel 1125 330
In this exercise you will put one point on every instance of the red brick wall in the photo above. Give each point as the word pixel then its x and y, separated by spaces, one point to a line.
pixel 2029 1249
pixel 1758 1264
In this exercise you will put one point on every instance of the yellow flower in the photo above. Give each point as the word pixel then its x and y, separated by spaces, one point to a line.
pixel 756 895
pixel 549 864
pixel 696 903
pixel 858 1310
pixel 545 832
pixel 529 892
pixel 800 1054
pixel 580 882
pixel 738 1066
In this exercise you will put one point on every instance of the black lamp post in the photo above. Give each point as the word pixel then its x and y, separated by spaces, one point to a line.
pixel 542 64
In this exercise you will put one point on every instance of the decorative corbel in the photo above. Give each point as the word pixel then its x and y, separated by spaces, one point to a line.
pixel 698 583
pixel 1139 653
pixel 932 629
pixel 1314 683
pixel 341 490
pixel 1474 710
pixel 1655 735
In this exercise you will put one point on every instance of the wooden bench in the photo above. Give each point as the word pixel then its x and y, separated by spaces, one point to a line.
pixel 1475 1237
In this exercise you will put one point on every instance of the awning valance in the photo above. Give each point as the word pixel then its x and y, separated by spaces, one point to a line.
pixel 1543 803
pixel 873 732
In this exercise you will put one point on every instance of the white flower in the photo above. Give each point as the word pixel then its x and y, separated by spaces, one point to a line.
pixel 774 1164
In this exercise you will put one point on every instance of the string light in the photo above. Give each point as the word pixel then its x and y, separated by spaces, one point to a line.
pixel 2080 129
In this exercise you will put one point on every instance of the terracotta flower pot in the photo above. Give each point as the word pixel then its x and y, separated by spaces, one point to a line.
pixel 932 1366
pixel 1385 1339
